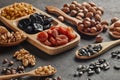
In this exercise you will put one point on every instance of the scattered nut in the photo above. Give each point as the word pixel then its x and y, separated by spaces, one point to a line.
pixel 99 39
pixel 65 9
pixel 113 20
pixel 73 12
pixel 61 18
pixel 105 27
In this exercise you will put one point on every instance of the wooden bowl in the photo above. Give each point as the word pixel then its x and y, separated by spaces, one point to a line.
pixel 90 34
pixel 111 34
pixel 32 38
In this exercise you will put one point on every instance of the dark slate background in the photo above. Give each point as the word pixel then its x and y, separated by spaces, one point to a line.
pixel 66 62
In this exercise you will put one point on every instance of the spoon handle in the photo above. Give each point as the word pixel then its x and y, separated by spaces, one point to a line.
pixel 13 75
pixel 58 12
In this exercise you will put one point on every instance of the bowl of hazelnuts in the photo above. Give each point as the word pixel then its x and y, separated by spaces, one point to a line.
pixel 114 29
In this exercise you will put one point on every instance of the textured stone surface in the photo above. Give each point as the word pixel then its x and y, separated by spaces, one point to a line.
pixel 66 62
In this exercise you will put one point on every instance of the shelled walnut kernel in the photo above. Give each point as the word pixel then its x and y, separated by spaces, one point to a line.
pixel 17 10
pixel 25 56
pixel 45 70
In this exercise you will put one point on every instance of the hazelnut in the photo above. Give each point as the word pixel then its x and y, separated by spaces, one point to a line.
pixel 86 30
pixel 80 14
pixel 113 20
pixel 99 39
pixel 116 33
pixel 87 5
pixel 77 9
pixel 111 28
pixel 61 18
pixel 101 9
pixel 98 27
pixel 98 12
pixel 87 24
pixel 104 23
pixel 91 9
pixel 80 27
pixel 97 17
pixel 66 5
pixel 92 22
pixel 92 4
pixel 117 24
pixel 89 14
pixel 72 7
pixel 73 12
pixel 85 10
pixel 74 2
pixel 117 29
pixel 105 27
pixel 65 9
pixel 78 17
pixel 93 30
pixel 87 19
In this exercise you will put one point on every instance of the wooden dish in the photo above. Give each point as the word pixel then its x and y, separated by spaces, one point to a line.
pixel 74 21
pixel 111 34
pixel 105 47
pixel 32 38
pixel 4 30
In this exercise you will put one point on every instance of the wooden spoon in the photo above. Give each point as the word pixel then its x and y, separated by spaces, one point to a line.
pixel 105 47
pixel 110 32
pixel 74 21
pixel 30 73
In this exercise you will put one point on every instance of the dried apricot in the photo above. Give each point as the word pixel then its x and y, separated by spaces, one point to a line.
pixel 42 36
pixel 61 39
pixel 48 43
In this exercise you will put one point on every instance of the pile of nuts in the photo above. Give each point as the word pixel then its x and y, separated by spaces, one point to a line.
pixel 17 10
pixel 92 68
pixel 115 29
pixel 7 37
pixel 45 70
pixel 88 13
pixel 90 50
pixel 26 57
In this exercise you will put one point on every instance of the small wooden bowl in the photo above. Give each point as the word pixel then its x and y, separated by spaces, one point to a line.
pixel 111 34
pixel 90 34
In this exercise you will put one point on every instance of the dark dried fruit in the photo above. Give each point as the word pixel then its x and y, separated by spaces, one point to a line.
pixel 35 23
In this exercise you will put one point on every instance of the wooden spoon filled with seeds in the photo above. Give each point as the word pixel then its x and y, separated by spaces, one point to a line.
pixel 41 71
pixel 94 50
pixel 10 38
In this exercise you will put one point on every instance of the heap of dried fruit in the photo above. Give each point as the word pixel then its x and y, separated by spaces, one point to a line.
pixel 6 37
pixel 35 23
pixel 56 36
pixel 26 57
pixel 45 70
pixel 17 10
